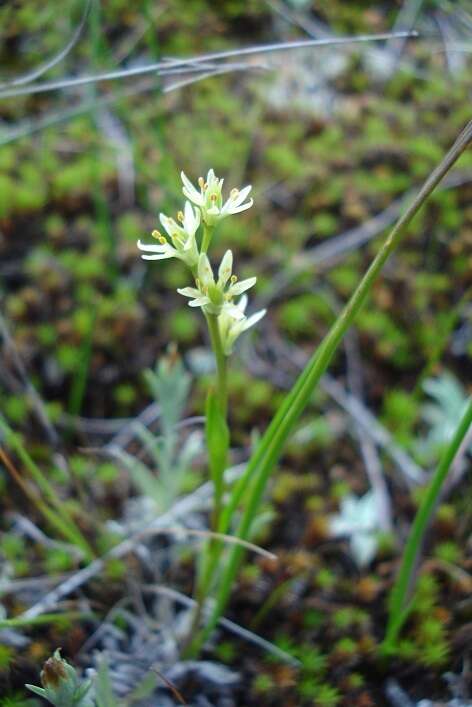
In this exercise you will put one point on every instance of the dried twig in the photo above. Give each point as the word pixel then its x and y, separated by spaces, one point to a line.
pixel 238 630
pixel 164 65
pixel 37 404
pixel 50 63
pixel 181 509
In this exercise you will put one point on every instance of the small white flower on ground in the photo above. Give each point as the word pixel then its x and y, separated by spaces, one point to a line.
pixel 359 521
pixel 216 297
pixel 232 327
pixel 184 244
pixel 210 199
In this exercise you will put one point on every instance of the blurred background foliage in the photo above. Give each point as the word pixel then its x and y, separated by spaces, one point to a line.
pixel 327 141
pixel 332 140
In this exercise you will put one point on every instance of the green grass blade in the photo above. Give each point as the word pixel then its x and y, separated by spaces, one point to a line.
pixel 44 619
pixel 55 512
pixel 254 480
pixel 398 611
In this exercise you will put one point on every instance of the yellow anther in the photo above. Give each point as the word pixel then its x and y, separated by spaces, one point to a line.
pixel 234 193
pixel 201 182
pixel 180 216
pixel 234 279
pixel 156 234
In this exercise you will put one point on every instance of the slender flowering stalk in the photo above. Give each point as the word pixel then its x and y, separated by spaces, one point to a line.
pixel 226 320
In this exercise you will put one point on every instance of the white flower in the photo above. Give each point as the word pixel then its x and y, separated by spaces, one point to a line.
pixel 210 200
pixel 232 327
pixel 216 297
pixel 359 521
pixel 183 238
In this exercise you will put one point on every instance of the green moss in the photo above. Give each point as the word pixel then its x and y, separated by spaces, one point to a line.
pixel 313 619
pixel 305 315
pixel 18 699
pixel 115 569
pixel 322 694
pixel 356 681
pixel 448 551
pixel 12 546
pixel 263 684
pixel 325 579
pixel 226 651
pixel 348 617
pixel 6 656
pixel 339 490
pixel 58 560
pixel 313 661
pixel 124 394
pixel 346 647
pixel 400 411
pixel 446 513
pixel 250 573
pixel 183 326
pixel 107 472
pixel 16 408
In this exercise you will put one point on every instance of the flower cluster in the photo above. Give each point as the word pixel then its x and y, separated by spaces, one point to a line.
pixel 216 297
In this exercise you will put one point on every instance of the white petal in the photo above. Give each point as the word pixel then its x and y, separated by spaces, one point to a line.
pixel 153 248
pixel 160 256
pixel 226 268
pixel 205 273
pixel 242 304
pixel 242 195
pixel 191 218
pixel 340 526
pixel 243 207
pixel 233 203
pixel 234 311
pixel 253 319
pixel 168 223
pixel 189 292
pixel 190 242
pixel 190 191
pixel 200 302
pixel 363 548
pixel 239 287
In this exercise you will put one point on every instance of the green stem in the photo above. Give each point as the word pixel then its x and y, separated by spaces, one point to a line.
pixel 207 234
pixel 211 550
pixel 398 609
pixel 221 363
pixel 254 480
